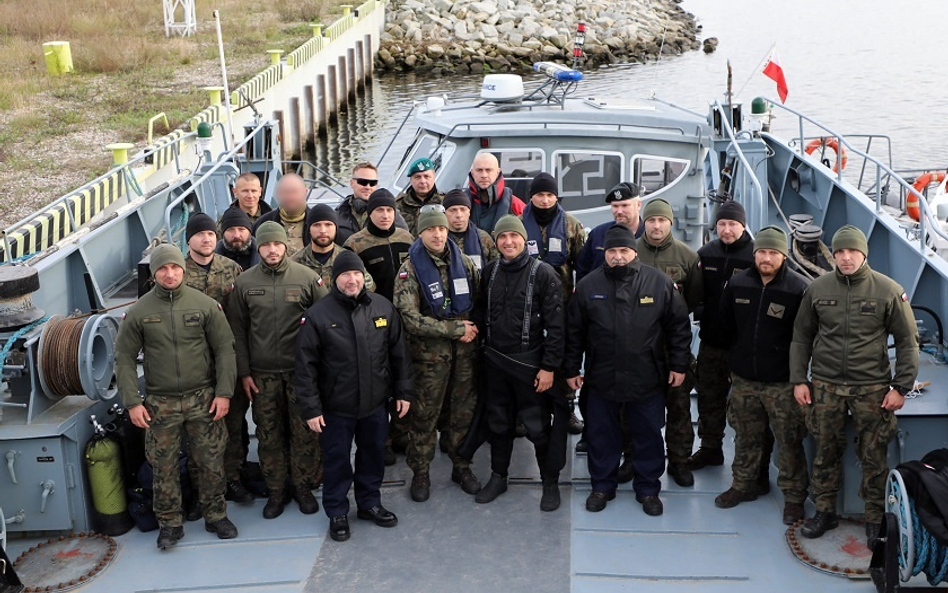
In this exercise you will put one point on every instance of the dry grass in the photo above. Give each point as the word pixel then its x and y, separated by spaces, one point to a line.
pixel 127 71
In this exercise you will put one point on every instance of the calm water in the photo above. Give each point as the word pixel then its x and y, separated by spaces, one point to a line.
pixel 859 67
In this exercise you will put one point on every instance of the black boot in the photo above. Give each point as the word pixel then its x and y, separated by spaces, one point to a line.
pixel 466 478
pixel 275 504
pixel 169 536
pixel 704 457
pixel 496 486
pixel 681 475
pixel 420 487
pixel 819 524
pixel 626 471
pixel 224 528
pixel 550 501
pixel 237 493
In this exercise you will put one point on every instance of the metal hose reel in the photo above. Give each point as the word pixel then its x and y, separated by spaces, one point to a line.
pixel 918 551
pixel 77 356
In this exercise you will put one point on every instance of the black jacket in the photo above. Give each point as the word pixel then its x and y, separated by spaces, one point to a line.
pixel 757 320
pixel 351 357
pixel 625 320
pixel 718 263
pixel 502 325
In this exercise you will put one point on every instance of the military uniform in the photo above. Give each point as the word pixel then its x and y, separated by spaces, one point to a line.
pixel 188 361
pixel 409 205
pixel 383 253
pixel 540 246
pixel 841 334
pixel 485 251
pixel 352 218
pixel 308 258
pixel 262 208
pixel 296 231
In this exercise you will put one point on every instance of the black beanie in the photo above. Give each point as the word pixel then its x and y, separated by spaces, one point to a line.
pixel 544 182
pixel 197 223
pixel 320 213
pixel 456 197
pixel 235 217
pixel 619 235
pixel 380 197
pixel 346 261
pixel 731 210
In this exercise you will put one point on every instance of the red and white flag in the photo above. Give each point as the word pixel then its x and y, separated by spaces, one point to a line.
pixel 774 71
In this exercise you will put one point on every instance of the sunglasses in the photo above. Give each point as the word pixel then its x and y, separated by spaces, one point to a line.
pixel 368 182
pixel 432 208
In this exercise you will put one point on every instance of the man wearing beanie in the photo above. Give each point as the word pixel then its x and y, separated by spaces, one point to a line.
pixel 265 310
pixel 658 248
pixel 237 242
pixel 520 316
pixel 631 326
pixel 189 378
pixel 490 197
pixel 291 192
pixel 247 192
pixel 731 253
pixel 215 275
pixel 434 293
pixel 321 224
pixel 758 308
pixel 420 192
pixel 381 245
pixel 841 334
pixel 625 204
pixel 474 242
pixel 351 363
pixel 351 212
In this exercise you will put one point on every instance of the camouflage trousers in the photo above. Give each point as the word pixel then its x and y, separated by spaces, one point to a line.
pixel 714 381
pixel 171 418
pixel 679 431
pixel 752 406
pixel 447 387
pixel 875 427
pixel 285 444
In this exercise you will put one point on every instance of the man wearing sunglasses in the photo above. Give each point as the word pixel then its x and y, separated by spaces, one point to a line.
pixel 352 212
pixel 422 192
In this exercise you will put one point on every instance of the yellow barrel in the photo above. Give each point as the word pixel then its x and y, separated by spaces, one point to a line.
pixel 58 57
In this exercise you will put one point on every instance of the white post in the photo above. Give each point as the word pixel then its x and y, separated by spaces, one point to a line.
pixel 187 26
pixel 220 47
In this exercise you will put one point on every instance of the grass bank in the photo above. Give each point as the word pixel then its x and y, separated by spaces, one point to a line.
pixel 53 129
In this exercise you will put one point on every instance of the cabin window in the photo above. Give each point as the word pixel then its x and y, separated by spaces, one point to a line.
pixel 519 166
pixel 585 177
pixel 426 146
pixel 654 173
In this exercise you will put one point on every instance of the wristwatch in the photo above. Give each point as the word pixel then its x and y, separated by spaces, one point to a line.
pixel 903 391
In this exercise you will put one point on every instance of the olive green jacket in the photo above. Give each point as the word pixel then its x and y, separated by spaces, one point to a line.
pixel 265 311
pixel 680 262
pixel 843 327
pixel 187 343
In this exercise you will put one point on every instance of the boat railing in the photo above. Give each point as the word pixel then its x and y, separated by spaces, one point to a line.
pixel 325 179
pixel 745 171
pixel 927 221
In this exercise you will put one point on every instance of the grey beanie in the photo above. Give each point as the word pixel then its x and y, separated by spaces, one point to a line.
pixel 508 223
pixel 165 254
pixel 657 207
pixel 849 237
pixel 772 237
pixel 270 232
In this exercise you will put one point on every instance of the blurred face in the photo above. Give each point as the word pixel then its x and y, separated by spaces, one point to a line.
pixel 422 182
pixel 768 261
pixel 363 183
pixel 627 212
pixel 272 253
pixel 434 238
pixel 322 233
pixel 849 260
pixel 510 244
pixel 485 170
pixel 657 229
pixel 543 200
pixel 203 243
pixel 458 217
pixel 291 194
pixel 619 256
pixel 169 276
pixel 350 283
pixel 383 217
pixel 237 238
pixel 729 230
pixel 247 192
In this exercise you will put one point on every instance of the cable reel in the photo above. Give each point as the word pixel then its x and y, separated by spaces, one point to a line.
pixel 77 356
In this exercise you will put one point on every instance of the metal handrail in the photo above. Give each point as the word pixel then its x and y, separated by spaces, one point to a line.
pixel 746 168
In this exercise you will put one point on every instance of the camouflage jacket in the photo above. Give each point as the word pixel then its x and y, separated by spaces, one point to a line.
pixel 488 248
pixel 409 205
pixel 680 262
pixel 217 282
pixel 308 259
pixel 383 253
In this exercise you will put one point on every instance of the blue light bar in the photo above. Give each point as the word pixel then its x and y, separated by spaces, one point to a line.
pixel 558 72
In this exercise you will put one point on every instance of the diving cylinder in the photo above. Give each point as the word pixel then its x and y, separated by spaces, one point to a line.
pixel 107 486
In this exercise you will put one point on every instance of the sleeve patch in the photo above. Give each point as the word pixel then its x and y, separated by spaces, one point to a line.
pixel 403 275
pixel 904 298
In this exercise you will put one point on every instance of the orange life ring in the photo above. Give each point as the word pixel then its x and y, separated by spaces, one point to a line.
pixel 830 142
pixel 921 182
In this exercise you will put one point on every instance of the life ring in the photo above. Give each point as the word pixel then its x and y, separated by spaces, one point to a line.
pixel 830 142
pixel 921 182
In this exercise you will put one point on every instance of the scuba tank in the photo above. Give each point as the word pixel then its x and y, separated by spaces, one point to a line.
pixel 103 455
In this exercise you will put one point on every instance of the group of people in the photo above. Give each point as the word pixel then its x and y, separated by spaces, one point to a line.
pixel 477 315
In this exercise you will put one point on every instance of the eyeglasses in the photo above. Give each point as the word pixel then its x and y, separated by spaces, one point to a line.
pixel 432 208
pixel 368 182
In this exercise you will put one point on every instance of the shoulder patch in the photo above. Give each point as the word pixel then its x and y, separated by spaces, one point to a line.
pixel 904 298
pixel 403 275
pixel 319 281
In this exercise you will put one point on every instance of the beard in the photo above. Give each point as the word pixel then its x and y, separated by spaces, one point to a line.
pixel 240 247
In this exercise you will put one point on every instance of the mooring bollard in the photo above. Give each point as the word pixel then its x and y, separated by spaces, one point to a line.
pixel 275 56
pixel 214 94
pixel 120 151
pixel 58 57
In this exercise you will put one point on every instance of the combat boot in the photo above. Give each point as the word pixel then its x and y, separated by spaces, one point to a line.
pixel 389 455
pixel 169 536
pixel 420 487
pixel 597 500
pixel 681 475
pixel 550 501
pixel 819 524
pixel 651 504
pixel 626 471
pixel 792 512
pixel 223 528
pixel 496 486
pixel 237 493
pixel 733 497
pixel 704 457
pixel 575 425
pixel 275 504
pixel 466 478
pixel 305 499
pixel 582 446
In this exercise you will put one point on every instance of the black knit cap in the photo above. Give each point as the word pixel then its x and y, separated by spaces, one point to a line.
pixel 731 211
pixel 321 213
pixel 619 235
pixel 197 223
pixel 456 197
pixel 544 182
pixel 380 197
pixel 235 217
pixel 623 191
pixel 346 261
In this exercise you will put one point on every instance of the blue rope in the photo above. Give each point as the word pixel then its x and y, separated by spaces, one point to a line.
pixel 19 260
pixel 930 556
pixel 182 222
pixel 16 336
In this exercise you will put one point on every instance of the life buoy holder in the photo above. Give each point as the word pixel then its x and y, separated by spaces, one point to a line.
pixel 921 182
pixel 833 143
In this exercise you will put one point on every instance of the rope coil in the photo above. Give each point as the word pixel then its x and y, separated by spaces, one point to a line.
pixel 59 358
pixel 930 556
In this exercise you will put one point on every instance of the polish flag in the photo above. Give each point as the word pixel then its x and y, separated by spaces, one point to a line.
pixel 774 71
